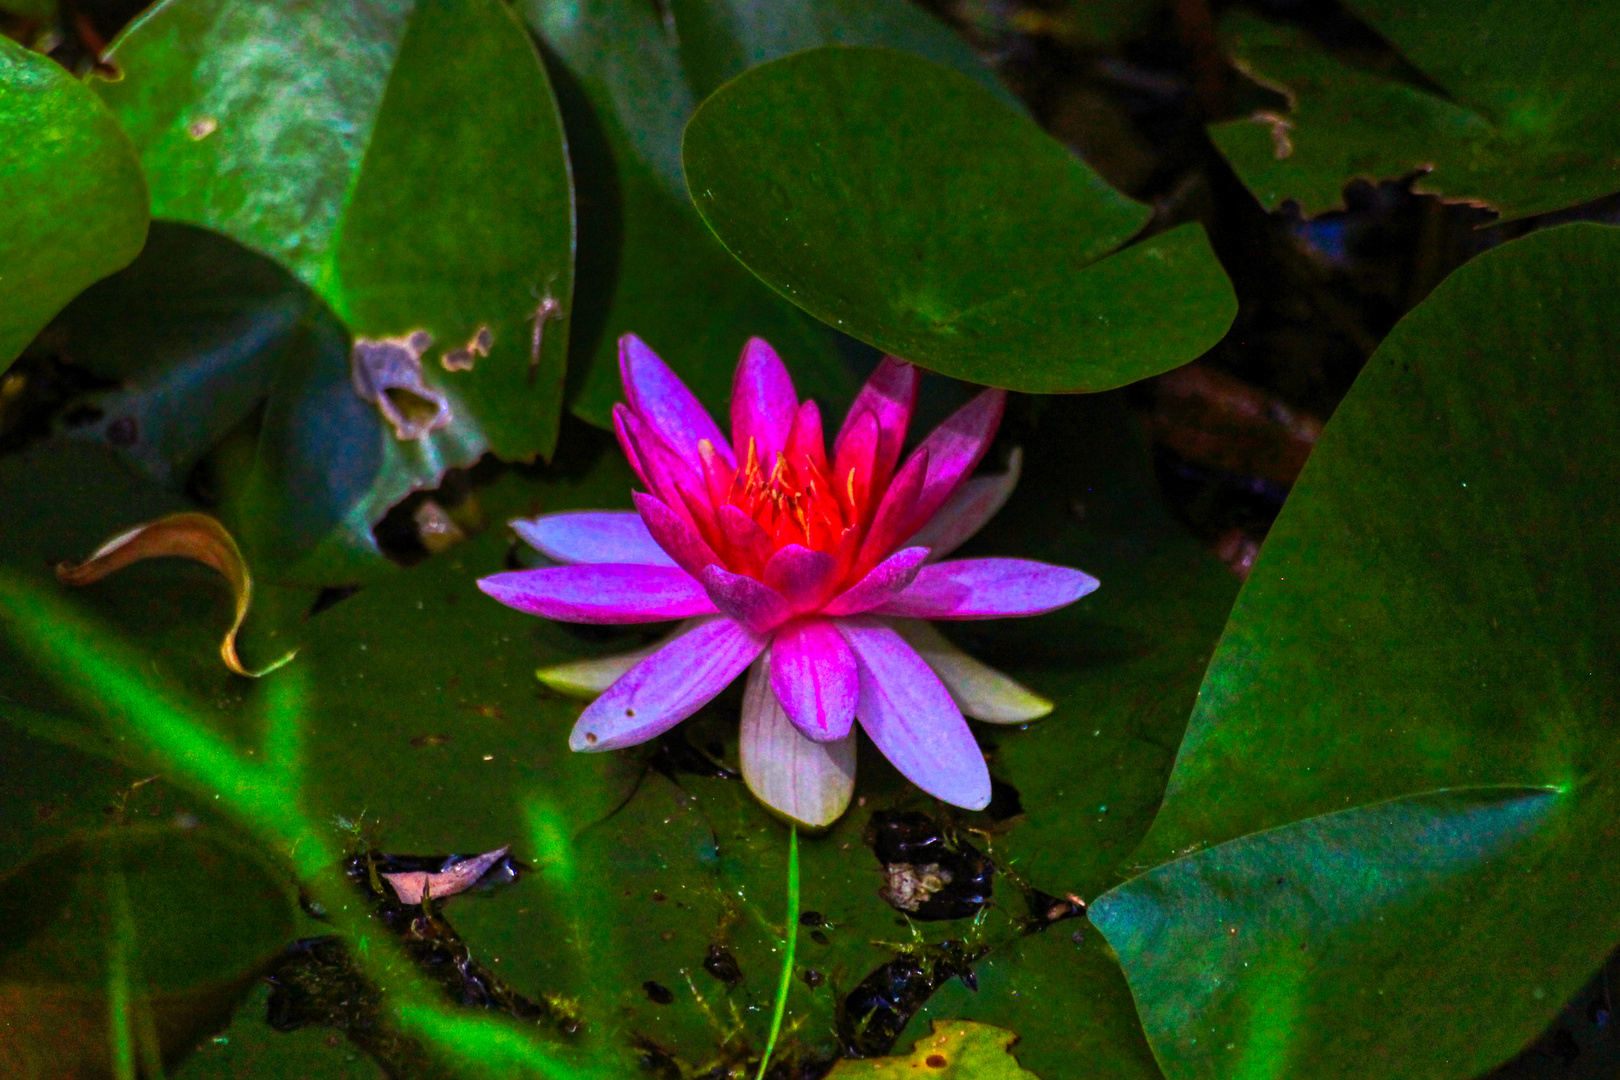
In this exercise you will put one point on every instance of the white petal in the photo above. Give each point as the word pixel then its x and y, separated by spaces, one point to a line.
pixel 585 679
pixel 979 690
pixel 967 510
pixel 811 782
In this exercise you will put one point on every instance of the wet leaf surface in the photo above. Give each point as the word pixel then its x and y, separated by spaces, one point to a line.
pixel 1442 572
pixel 868 202
pixel 74 203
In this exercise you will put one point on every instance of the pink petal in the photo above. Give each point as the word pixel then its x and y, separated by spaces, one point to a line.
pixel 601 593
pixel 667 687
pixel 813 676
pixel 756 606
pixel 854 460
pixel 660 468
pixel 988 589
pixel 763 403
pixel 911 718
pixel 806 441
pixel 588 678
pixel 967 510
pixel 664 402
pixel 955 448
pixel 802 576
pixel 896 513
pixel 811 782
pixel 889 396
pixel 675 540
pixel 592 536
pixel 749 545
pixel 884 582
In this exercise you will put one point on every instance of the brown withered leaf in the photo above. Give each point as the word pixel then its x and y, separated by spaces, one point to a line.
pixel 187 535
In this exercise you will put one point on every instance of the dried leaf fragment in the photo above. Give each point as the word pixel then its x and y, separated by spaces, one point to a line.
pixel 388 373
pixel 186 535
pixel 412 885
pixel 952 1050
pixel 462 359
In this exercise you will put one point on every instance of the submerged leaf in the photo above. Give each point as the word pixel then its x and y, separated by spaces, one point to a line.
pixel 186 535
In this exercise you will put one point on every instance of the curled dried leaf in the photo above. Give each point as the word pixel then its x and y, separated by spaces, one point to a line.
pixel 187 535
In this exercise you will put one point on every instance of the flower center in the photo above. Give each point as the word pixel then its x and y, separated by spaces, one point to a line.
pixel 794 502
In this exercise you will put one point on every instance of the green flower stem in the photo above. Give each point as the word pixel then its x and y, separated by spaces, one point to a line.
pixel 788 949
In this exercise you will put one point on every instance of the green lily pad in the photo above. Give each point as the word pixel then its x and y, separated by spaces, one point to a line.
pixel 130 944
pixel 899 202
pixel 70 183
pixel 422 719
pixel 1431 611
pixel 629 76
pixel 414 180
pixel 1513 113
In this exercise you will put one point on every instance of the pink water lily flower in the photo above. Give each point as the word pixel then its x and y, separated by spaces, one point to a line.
pixel 814 573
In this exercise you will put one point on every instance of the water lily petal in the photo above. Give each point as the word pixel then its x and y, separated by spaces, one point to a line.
pixel 746 544
pixel 811 782
pixel 854 460
pixel 967 510
pixel 763 403
pixel 889 395
pixel 756 606
pixel 802 576
pixel 592 536
pixel 663 401
pixel 660 468
pixel 805 440
pixel 667 687
pixel 601 593
pixel 954 450
pixel 881 585
pixel 676 541
pixel 895 514
pixel 912 719
pixel 813 676
pixel 979 690
pixel 988 589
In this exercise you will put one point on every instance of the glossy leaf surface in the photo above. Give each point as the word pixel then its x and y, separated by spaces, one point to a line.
pixel 630 77
pixel 72 200
pixel 1433 610
pixel 1504 101
pixel 414 178
pixel 900 203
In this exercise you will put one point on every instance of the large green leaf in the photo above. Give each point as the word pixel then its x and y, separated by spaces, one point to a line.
pixel 1432 610
pixel 72 201
pixel 422 714
pixel 629 76
pixel 1513 111
pixel 413 177
pixel 898 201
